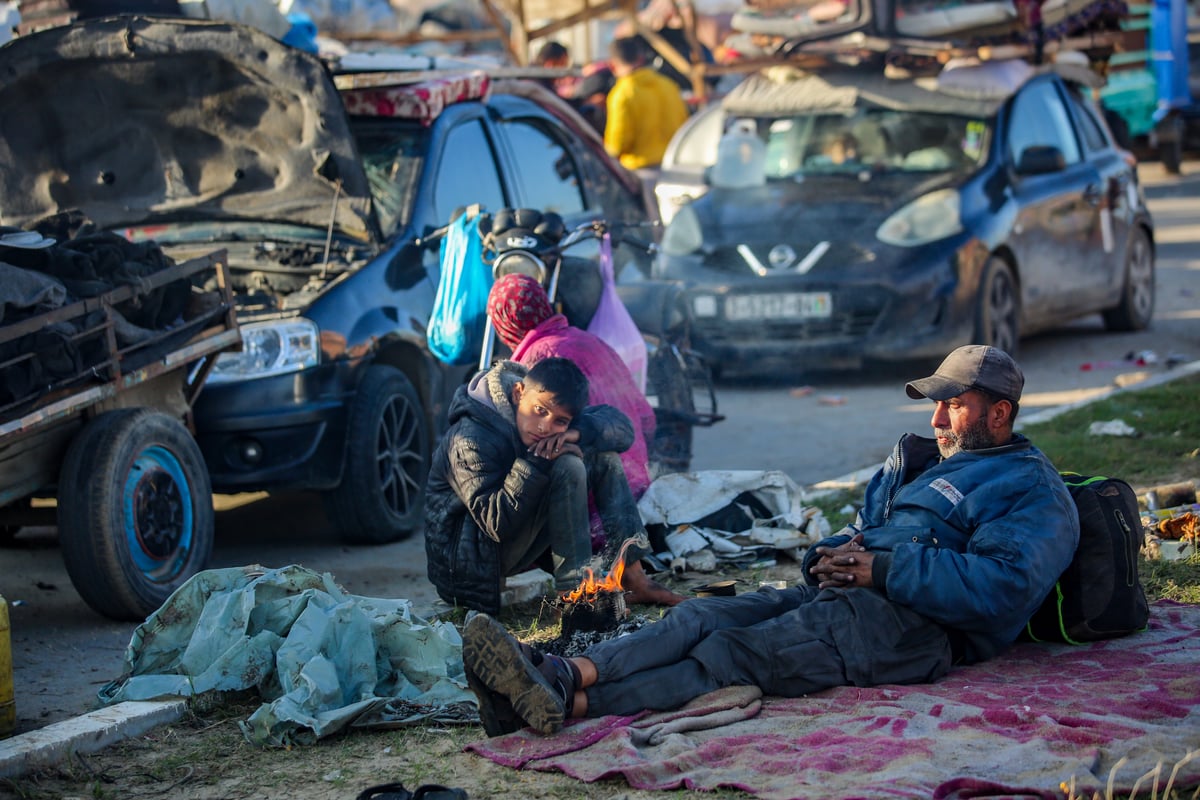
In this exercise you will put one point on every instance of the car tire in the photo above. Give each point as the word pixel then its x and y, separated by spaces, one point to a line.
pixel 135 515
pixel 998 320
pixel 382 493
pixel 1136 308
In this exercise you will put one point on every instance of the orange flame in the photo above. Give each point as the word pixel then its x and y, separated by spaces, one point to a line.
pixel 590 588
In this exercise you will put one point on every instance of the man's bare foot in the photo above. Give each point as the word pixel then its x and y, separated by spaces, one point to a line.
pixel 641 589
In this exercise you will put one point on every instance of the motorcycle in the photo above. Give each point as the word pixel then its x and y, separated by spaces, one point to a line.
pixel 678 382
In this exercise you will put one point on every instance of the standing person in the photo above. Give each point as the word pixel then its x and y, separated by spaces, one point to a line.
pixel 526 323
pixel 959 540
pixel 509 482
pixel 644 108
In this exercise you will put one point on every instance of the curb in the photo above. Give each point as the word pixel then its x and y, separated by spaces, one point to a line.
pixel 84 734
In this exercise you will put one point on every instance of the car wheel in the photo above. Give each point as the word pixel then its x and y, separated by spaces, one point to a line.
pixel 135 515
pixel 382 493
pixel 1136 308
pixel 997 322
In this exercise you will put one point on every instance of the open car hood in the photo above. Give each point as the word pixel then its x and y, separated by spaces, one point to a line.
pixel 141 121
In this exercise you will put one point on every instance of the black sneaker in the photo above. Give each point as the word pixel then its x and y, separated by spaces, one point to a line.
pixel 496 659
pixel 496 713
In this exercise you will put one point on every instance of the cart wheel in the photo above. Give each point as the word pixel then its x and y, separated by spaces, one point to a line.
pixel 135 514
pixel 382 494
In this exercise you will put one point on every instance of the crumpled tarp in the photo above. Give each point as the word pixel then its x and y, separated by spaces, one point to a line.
pixel 323 660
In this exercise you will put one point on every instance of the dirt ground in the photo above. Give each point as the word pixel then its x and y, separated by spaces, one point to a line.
pixel 203 759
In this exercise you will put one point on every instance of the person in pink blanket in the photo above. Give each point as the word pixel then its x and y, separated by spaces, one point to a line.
pixel 525 322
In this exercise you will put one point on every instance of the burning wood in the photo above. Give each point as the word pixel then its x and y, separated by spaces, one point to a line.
pixel 596 605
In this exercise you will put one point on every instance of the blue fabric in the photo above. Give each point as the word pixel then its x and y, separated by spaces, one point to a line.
pixel 458 321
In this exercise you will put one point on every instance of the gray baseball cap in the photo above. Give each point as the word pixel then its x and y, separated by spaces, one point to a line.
pixel 973 366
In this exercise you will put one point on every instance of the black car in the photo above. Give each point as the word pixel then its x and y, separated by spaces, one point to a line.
pixel 900 218
pixel 204 136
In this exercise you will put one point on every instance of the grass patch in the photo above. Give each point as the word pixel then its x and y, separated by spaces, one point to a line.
pixel 1171 580
pixel 1165 449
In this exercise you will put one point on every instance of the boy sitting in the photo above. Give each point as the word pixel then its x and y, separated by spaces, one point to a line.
pixel 509 483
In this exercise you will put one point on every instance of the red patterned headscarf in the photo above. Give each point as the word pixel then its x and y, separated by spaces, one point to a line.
pixel 516 305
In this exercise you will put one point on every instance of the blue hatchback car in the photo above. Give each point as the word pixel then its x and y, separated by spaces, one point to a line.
pixel 872 218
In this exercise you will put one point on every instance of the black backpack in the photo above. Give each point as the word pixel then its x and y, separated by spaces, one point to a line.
pixel 1099 595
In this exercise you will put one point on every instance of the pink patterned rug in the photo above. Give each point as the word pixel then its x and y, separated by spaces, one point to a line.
pixel 1026 724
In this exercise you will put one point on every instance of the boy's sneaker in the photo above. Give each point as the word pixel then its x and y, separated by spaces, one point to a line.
pixel 495 658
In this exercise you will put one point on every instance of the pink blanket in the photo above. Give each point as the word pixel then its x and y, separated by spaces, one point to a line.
pixel 1037 719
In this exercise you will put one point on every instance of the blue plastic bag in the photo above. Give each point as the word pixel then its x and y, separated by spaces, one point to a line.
pixel 459 318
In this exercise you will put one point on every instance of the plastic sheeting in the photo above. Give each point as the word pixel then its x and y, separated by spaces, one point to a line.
pixel 323 660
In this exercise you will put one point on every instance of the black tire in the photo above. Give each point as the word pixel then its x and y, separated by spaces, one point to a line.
pixel 382 494
pixel 669 386
pixel 135 515
pixel 1136 308
pixel 998 319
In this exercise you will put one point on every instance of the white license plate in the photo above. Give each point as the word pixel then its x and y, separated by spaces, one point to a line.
pixel 787 305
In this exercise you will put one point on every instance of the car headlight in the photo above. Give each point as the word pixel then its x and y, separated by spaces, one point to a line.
pixel 269 348
pixel 683 235
pixel 928 218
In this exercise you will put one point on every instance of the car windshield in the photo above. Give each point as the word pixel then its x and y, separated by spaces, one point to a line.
pixel 882 139
pixel 393 154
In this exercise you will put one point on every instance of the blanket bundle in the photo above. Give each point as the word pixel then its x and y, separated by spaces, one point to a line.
pixel 1037 721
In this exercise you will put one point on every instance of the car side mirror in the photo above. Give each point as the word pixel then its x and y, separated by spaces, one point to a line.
pixel 1041 159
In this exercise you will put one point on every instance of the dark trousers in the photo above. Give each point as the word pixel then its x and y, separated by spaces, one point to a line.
pixel 788 643
pixel 562 526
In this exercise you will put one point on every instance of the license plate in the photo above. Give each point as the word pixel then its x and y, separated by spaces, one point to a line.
pixel 787 305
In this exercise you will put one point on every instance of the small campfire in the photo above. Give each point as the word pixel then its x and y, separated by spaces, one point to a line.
pixel 596 604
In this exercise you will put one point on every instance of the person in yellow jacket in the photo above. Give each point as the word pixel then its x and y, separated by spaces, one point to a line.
pixel 645 107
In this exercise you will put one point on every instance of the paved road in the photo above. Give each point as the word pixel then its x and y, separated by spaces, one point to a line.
pixel 64 653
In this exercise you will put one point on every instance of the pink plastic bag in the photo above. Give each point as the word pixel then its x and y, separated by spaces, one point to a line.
pixel 612 322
